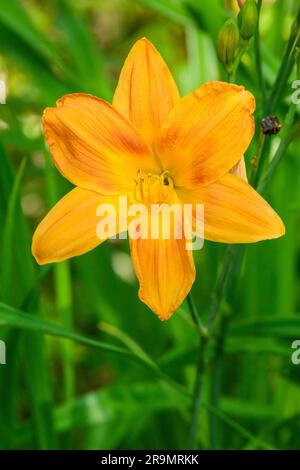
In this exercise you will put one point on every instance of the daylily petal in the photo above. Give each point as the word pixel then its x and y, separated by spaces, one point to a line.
pixel 240 170
pixel 206 133
pixel 70 228
pixel 164 267
pixel 166 273
pixel 234 212
pixel 146 91
pixel 94 146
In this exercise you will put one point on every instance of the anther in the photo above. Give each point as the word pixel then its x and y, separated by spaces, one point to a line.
pixel 152 187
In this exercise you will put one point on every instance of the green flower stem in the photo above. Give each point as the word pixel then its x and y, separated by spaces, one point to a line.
pixel 63 295
pixel 291 131
pixel 231 77
pixel 63 292
pixel 200 368
pixel 220 287
pixel 272 101
pixel 197 393
pixel 195 315
pixel 258 161
pixel 258 57
pixel 286 67
pixel 234 256
pixel 202 356
pixel 228 280
pixel 215 386
pixel 223 295
pixel 242 47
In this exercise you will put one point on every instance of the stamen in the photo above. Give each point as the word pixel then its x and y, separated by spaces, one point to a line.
pixel 135 195
pixel 152 188
pixel 142 188
pixel 148 186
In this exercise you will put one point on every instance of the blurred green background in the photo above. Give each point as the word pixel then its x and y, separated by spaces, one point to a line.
pixel 113 383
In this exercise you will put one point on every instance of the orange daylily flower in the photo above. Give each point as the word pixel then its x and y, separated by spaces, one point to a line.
pixel 191 147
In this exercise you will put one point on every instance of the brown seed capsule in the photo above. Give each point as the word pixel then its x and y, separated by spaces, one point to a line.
pixel 270 125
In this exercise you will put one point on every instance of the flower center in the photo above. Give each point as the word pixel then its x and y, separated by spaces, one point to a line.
pixel 153 189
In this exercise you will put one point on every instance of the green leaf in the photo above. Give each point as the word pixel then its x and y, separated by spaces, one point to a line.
pixel 16 20
pixel 105 407
pixel 14 17
pixel 171 9
pixel 10 316
pixel 88 61
pixel 10 226
pixel 268 326
pixel 237 344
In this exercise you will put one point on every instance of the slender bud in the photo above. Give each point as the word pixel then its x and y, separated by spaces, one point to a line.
pixel 247 19
pixel 227 43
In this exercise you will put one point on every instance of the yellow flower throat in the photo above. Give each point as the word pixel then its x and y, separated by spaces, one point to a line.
pixel 151 188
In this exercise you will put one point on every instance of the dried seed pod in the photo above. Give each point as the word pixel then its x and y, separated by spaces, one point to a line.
pixel 270 125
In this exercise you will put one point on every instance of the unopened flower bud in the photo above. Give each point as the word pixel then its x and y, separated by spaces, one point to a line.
pixel 247 19
pixel 227 43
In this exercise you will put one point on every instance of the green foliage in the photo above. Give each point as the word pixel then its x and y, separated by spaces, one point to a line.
pixel 88 365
